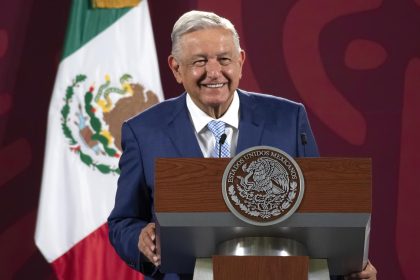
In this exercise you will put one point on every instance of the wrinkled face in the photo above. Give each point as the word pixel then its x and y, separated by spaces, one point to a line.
pixel 209 66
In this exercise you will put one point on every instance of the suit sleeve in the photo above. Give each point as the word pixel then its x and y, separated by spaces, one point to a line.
pixel 310 148
pixel 132 210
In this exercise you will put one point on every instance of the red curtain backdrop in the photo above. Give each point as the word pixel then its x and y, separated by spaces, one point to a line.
pixel 354 64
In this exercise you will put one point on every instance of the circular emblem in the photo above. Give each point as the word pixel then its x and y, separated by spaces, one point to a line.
pixel 263 186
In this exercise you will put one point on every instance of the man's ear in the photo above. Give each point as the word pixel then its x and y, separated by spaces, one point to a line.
pixel 174 65
pixel 241 61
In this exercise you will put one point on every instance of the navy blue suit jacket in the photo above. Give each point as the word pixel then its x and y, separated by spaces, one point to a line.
pixel 166 130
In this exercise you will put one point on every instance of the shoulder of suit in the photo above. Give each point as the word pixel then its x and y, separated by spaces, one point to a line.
pixel 268 100
pixel 156 114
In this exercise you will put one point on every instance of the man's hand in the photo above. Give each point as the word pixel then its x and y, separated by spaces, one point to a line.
pixel 368 273
pixel 147 243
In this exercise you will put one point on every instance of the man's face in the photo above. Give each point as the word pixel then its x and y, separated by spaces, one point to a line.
pixel 209 66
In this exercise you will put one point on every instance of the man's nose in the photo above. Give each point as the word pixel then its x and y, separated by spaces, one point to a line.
pixel 213 68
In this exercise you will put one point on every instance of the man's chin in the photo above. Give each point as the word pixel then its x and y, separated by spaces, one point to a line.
pixel 218 102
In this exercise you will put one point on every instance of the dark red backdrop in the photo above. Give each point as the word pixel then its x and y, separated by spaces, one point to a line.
pixel 354 64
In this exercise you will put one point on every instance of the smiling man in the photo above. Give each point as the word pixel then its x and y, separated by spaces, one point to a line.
pixel 207 60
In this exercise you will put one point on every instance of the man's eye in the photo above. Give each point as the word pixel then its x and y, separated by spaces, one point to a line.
pixel 200 62
pixel 224 60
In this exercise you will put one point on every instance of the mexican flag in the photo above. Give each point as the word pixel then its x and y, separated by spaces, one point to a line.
pixel 108 73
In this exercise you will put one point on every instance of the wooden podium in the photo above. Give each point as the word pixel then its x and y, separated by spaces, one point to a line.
pixel 332 221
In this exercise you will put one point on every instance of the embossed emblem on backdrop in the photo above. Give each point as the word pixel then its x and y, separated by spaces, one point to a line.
pixel 263 185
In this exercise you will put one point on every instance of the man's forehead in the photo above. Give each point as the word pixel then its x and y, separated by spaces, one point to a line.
pixel 209 41
pixel 215 54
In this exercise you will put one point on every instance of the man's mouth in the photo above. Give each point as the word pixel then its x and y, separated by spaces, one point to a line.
pixel 219 85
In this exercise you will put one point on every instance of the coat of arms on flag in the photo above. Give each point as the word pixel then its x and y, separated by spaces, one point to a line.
pixel 92 124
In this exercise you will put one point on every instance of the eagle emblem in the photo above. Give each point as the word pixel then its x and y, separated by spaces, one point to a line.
pixel 91 117
pixel 263 185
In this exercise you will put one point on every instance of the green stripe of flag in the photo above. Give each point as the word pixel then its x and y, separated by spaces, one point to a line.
pixel 86 22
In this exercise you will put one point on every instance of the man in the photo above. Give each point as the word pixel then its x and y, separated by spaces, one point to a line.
pixel 207 60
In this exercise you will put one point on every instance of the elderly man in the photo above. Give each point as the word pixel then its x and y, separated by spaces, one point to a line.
pixel 207 60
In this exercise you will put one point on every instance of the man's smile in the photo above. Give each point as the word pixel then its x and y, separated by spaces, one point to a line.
pixel 218 85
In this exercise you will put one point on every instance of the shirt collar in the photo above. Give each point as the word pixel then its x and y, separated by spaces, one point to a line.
pixel 200 119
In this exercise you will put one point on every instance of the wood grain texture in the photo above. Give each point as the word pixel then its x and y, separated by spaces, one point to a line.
pixel 336 185
pixel 260 267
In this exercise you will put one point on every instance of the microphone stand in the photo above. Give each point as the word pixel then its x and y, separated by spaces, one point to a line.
pixel 304 141
pixel 221 142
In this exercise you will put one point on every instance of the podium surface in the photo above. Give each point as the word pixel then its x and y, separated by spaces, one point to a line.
pixel 332 221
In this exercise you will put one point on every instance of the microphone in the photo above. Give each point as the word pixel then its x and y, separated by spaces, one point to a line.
pixel 304 140
pixel 221 142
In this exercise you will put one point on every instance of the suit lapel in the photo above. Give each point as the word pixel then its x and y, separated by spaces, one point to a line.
pixel 250 123
pixel 181 132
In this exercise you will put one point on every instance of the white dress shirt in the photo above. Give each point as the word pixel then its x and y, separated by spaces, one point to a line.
pixel 204 136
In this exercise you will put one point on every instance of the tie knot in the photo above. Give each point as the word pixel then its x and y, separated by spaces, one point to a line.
pixel 217 128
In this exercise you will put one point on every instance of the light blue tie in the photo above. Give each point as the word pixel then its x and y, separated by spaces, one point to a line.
pixel 218 129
